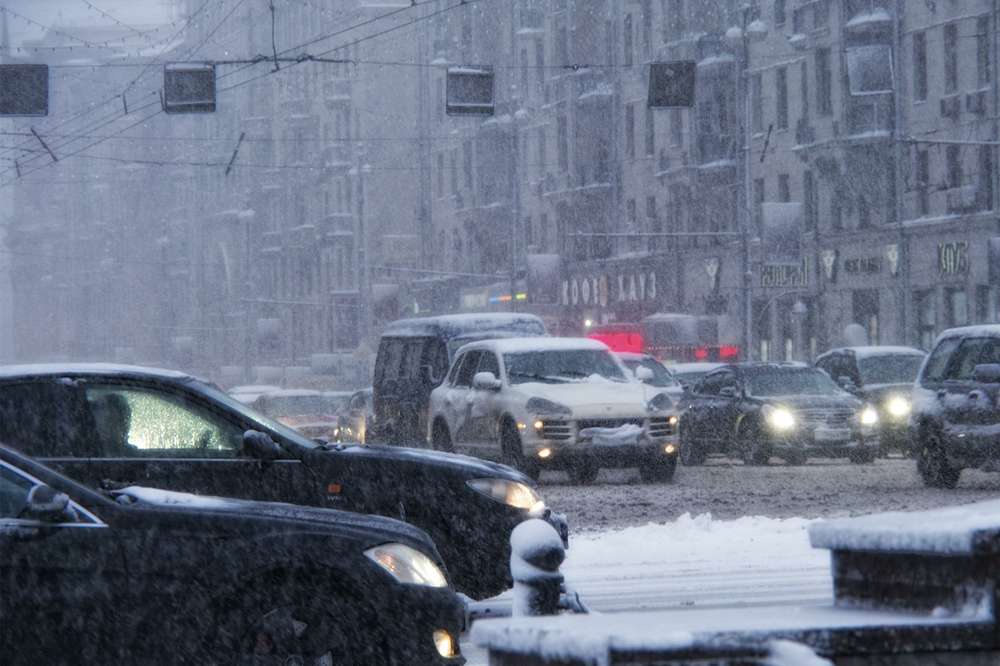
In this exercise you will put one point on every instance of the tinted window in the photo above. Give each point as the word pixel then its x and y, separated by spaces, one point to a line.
pixel 937 363
pixel 390 358
pixel 973 352
pixel 561 366
pixel 437 360
pixel 48 419
pixel 790 381
pixel 470 361
pixel 713 383
pixel 488 363
pixel 890 369
pixel 13 493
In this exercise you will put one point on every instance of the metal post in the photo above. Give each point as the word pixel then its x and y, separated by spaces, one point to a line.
pixel 515 209
pixel 897 172
pixel 745 268
pixel 364 278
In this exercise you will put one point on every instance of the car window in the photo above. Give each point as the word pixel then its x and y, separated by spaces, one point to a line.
pixel 141 422
pixel 488 363
pixel 413 352
pixel 470 361
pixel 436 357
pixel 455 366
pixel 390 358
pixel 559 366
pixel 712 383
pixel 49 418
pixel 13 492
pixel 937 362
pixel 890 368
pixel 790 381
pixel 973 352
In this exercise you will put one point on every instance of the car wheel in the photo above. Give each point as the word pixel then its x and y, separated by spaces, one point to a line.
pixel 583 472
pixel 934 468
pixel 658 470
pixel 752 445
pixel 441 438
pixel 512 453
pixel 692 453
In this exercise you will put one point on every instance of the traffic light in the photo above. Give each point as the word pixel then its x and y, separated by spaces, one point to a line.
pixel 671 84
pixel 188 88
pixel 24 90
pixel 469 91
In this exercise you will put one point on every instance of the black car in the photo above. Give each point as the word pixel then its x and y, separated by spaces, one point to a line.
pixel 140 575
pixel 882 376
pixel 756 410
pixel 114 426
pixel 956 406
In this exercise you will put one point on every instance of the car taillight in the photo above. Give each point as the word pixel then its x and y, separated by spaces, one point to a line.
pixel 729 352
pixel 701 354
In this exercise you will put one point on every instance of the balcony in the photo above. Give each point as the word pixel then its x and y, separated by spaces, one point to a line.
pixel 870 116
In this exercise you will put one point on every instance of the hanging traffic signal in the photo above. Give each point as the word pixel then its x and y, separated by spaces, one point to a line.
pixel 671 84
pixel 24 90
pixel 189 88
pixel 469 91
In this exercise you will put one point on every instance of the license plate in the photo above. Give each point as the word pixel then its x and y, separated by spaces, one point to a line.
pixel 832 434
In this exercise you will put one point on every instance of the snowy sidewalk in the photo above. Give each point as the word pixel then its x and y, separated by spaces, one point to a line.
pixel 695 562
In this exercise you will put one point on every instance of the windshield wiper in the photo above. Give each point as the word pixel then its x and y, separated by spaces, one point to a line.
pixel 535 377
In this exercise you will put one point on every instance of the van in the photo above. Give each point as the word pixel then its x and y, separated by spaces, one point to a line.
pixel 413 359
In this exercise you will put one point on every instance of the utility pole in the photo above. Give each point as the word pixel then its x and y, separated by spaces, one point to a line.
pixel 361 241
pixel 746 275
pixel 424 221
pixel 897 172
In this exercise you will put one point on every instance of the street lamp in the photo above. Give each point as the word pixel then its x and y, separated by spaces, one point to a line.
pixel 740 37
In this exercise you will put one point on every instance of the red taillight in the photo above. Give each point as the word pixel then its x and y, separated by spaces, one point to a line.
pixel 701 354
pixel 729 352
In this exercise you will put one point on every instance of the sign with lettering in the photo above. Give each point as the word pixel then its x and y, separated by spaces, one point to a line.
pixel 863 265
pixel 953 258
pixel 604 289
pixel 783 276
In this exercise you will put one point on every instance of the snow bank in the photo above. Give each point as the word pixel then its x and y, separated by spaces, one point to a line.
pixel 787 653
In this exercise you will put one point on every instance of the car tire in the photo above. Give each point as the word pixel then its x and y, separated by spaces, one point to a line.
pixel 583 472
pixel 752 445
pixel 512 453
pixel 658 470
pixel 692 453
pixel 933 466
pixel 441 437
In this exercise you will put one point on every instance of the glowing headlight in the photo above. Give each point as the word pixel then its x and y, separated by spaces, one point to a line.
pixel 898 406
pixel 445 643
pixel 868 416
pixel 780 418
pixel 407 565
pixel 511 493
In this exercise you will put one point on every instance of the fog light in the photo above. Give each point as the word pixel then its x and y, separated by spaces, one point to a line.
pixel 539 425
pixel 545 453
pixel 673 420
pixel 669 449
pixel 445 643
pixel 521 426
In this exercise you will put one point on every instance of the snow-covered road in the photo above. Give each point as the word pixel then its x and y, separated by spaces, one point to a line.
pixel 695 562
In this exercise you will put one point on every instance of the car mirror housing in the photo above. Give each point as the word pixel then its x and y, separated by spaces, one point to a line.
pixel 260 445
pixel 987 373
pixel 847 383
pixel 486 381
pixel 643 374
pixel 47 505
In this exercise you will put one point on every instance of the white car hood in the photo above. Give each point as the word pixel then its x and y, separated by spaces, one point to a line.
pixel 595 398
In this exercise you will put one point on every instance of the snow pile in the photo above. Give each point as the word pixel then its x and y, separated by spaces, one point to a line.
pixel 624 435
pixel 536 553
pixel 787 653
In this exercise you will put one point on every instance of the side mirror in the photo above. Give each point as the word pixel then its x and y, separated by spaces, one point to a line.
pixel 47 505
pixel 485 381
pixel 260 445
pixel 987 373
pixel 729 392
pixel 847 383
pixel 643 374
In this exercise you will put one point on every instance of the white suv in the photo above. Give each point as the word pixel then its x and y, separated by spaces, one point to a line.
pixel 559 403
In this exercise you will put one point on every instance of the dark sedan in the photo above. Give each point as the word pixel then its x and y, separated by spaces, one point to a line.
pixel 141 575
pixel 756 410
pixel 110 427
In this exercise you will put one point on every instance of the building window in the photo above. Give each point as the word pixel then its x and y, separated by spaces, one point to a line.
pixel 678 20
pixel 562 46
pixel 524 73
pixel 627 42
pixel 923 183
pixel 781 97
pixel 650 132
pixel 956 306
pixel 951 58
pixel 440 174
pixel 630 131
pixel 467 164
pixel 784 188
pixel 453 176
pixel 562 141
pixel 986 305
pixel 542 151
pixel 529 232
pixel 676 127
pixel 804 84
pixel 757 103
pixel 954 157
pixel 926 316
pixel 779 12
pixel 540 63
pixel 647 27
pixel 919 66
pixel 809 194
pixel 824 83
pixel 985 190
pixel 543 232
pixel 983 74
pixel 864 213
pixel 758 201
pixel 865 304
pixel 836 213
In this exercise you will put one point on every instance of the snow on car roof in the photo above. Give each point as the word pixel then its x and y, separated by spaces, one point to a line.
pixel 253 388
pixel 104 369
pixel 965 529
pixel 876 350
pixel 694 367
pixel 980 331
pixel 291 393
pixel 632 356
pixel 458 324
pixel 514 345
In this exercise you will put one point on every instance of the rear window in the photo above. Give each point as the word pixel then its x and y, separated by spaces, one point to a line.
pixel 973 352
pixel 48 419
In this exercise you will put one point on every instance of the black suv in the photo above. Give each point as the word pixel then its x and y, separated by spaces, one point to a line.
pixel 113 426
pixel 956 406
pixel 883 376
pixel 140 575
pixel 754 410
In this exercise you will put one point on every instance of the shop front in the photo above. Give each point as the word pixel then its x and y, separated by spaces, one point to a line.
pixel 610 291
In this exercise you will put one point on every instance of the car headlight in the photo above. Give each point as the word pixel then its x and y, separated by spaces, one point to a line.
pixel 660 402
pixel 898 406
pixel 543 406
pixel 868 416
pixel 511 493
pixel 407 565
pixel 779 418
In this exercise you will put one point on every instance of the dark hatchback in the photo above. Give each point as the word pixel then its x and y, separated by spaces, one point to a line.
pixel 110 427
pixel 882 376
pixel 148 576
pixel 955 422
pixel 756 410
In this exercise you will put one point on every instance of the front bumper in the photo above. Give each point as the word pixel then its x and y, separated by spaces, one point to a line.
pixel 817 445
pixel 417 612
pixel 559 444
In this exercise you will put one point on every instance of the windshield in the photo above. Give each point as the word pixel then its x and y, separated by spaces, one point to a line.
pixel 661 376
pixel 804 381
pixel 562 366
pixel 890 369
pixel 266 424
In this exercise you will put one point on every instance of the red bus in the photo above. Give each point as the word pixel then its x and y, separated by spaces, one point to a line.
pixel 670 337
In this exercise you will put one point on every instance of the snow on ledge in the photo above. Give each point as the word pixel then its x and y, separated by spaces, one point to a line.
pixel 957 530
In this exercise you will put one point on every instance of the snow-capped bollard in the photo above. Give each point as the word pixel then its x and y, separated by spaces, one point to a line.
pixel 536 551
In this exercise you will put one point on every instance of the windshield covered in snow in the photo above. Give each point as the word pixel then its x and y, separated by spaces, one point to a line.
pixel 562 366
pixel 765 382
pixel 661 376
pixel 890 369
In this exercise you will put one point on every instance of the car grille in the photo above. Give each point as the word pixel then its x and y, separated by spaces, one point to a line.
pixel 660 427
pixel 557 430
pixel 607 423
pixel 833 418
